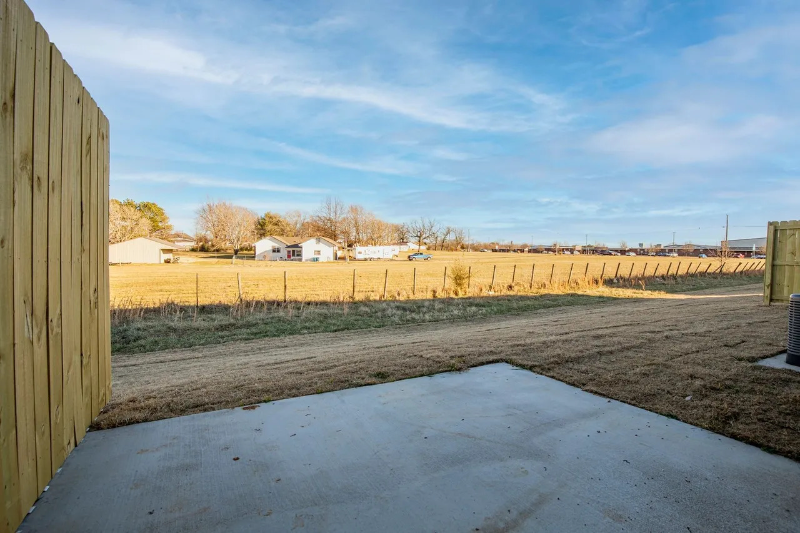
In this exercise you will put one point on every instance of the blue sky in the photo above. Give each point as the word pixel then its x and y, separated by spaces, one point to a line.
pixel 548 120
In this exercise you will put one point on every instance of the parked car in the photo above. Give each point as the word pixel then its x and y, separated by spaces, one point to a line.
pixel 419 256
pixel 702 256
pixel 631 254
pixel 662 254
pixel 651 254
pixel 566 252
pixel 738 256
pixel 484 250
pixel 759 256
pixel 673 254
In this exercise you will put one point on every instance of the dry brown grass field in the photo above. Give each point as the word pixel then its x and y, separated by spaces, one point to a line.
pixel 689 356
pixel 212 279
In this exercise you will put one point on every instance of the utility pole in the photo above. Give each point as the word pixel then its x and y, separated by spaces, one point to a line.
pixel 673 238
pixel 726 230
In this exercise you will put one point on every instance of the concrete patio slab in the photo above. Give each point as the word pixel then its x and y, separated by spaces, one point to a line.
pixel 778 361
pixel 492 449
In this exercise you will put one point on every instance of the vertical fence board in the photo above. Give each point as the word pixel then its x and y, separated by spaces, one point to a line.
pixel 98 261
pixel 54 338
pixel 9 472
pixel 106 298
pixel 79 425
pixel 85 232
pixel 41 146
pixel 70 242
pixel 23 240
pixel 92 207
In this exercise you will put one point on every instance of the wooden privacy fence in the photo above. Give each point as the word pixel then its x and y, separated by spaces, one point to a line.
pixel 782 276
pixel 55 364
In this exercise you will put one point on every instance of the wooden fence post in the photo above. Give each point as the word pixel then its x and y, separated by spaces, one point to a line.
pixel 689 268
pixel 644 272
pixel 603 272
pixel 354 284
pixel 631 272
pixel 285 287
pixel 196 293
pixel 737 268
pixel 469 276
pixel 239 283
pixel 616 274
pixel 655 272
pixel 513 275
pixel 668 267
pixel 414 283
pixel 707 269
pixel 494 271
pixel 552 269
pixel 678 269
pixel 586 272
pixel 386 282
pixel 444 281
pixel 533 271
pixel 569 277
pixel 697 268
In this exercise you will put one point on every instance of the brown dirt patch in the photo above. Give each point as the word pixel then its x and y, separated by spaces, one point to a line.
pixel 652 353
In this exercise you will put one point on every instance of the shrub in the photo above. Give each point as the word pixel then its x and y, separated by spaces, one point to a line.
pixel 459 277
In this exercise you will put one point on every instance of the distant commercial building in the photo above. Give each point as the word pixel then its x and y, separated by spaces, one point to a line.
pixel 747 245
pixel 141 250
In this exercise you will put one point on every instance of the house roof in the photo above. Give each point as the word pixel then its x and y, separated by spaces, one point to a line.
pixel 170 245
pixel 161 241
pixel 294 241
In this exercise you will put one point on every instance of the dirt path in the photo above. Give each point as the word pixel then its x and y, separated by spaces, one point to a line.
pixel 653 353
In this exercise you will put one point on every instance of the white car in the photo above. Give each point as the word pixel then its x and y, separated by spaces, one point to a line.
pixel 630 253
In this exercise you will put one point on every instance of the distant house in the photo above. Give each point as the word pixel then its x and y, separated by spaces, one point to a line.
pixel 183 241
pixel 141 250
pixel 274 248
pixel 411 246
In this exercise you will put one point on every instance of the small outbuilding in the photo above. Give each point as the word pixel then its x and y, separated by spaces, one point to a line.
pixel 141 250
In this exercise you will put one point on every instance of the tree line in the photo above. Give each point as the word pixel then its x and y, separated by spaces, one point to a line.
pixel 222 225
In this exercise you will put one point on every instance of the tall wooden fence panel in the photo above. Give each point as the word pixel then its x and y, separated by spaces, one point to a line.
pixel 782 275
pixel 55 356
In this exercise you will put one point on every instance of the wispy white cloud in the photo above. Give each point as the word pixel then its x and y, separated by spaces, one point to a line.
pixel 682 139
pixel 398 168
pixel 214 182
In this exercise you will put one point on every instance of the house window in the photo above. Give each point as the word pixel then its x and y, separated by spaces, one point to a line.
pixel 317 253
pixel 276 249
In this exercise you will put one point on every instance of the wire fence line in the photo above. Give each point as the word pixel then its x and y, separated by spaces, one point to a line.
pixel 403 281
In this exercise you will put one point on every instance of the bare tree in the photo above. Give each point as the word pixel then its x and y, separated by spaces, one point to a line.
pixel 125 222
pixel 459 238
pixel 623 245
pixel 227 224
pixel 298 223
pixel 330 218
pixel 422 229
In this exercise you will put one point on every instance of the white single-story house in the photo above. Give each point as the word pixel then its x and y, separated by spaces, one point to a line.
pixel 365 253
pixel 141 250
pixel 183 241
pixel 274 248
